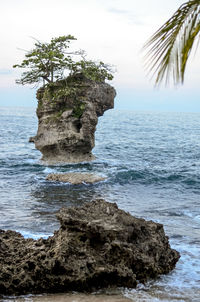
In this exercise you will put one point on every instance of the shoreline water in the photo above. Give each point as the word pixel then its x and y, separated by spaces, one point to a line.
pixel 152 164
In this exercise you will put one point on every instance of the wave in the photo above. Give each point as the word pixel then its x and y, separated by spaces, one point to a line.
pixel 149 177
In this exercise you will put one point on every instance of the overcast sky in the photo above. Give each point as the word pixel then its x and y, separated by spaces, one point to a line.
pixel 110 30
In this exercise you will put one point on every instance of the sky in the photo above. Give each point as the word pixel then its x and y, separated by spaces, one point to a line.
pixel 113 31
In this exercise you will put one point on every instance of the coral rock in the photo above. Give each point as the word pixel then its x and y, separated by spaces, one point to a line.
pixel 67 117
pixel 75 178
pixel 97 245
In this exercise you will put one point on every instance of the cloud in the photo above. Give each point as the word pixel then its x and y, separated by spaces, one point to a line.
pixel 118 11
pixel 126 13
pixel 109 30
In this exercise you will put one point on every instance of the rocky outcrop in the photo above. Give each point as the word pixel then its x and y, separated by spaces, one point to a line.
pixel 75 178
pixel 97 245
pixel 68 114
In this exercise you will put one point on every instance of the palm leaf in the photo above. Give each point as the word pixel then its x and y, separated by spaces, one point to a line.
pixel 169 48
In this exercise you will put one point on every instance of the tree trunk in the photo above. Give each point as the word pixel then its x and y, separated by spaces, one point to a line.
pixel 52 75
pixel 46 79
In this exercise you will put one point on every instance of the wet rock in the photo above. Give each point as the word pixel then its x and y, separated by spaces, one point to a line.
pixel 97 245
pixel 75 178
pixel 75 297
pixel 67 117
pixel 31 139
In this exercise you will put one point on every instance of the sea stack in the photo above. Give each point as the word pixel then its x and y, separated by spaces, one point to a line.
pixel 67 114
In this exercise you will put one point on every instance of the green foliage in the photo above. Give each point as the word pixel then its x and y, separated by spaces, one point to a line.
pixel 169 48
pixel 94 71
pixel 61 89
pixel 78 109
pixel 47 62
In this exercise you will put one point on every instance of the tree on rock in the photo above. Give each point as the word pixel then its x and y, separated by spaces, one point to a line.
pixel 47 62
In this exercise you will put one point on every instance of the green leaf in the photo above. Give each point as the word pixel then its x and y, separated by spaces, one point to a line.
pixel 169 48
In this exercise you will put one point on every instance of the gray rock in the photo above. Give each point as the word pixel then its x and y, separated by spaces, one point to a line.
pixel 67 121
pixel 97 245
pixel 75 178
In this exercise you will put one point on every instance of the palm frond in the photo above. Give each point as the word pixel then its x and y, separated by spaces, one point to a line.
pixel 169 48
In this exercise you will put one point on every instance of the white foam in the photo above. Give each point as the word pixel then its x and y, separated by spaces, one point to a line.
pixel 35 236
pixel 48 170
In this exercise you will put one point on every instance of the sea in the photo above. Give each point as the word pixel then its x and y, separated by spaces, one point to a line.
pixel 151 161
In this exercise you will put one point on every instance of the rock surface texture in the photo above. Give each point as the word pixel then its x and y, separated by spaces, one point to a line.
pixel 97 245
pixel 75 178
pixel 67 117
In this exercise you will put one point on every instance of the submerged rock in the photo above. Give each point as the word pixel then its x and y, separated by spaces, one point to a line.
pixel 68 114
pixel 75 178
pixel 97 245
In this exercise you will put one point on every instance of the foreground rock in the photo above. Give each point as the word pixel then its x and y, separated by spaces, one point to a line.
pixel 67 117
pixel 97 246
pixel 75 178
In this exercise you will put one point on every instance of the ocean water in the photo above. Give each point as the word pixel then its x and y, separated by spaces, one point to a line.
pixel 152 164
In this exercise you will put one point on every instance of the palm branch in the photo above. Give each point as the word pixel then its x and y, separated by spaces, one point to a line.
pixel 169 48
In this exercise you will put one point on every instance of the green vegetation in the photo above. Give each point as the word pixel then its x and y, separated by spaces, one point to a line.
pixel 169 48
pixel 48 62
pixel 78 109
pixel 55 117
